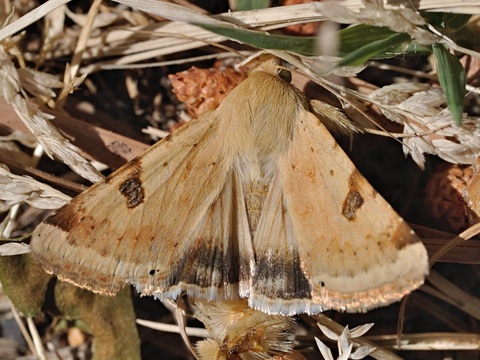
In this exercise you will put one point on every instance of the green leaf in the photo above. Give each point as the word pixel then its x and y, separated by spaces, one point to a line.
pixel 355 37
pixel 243 5
pixel 262 40
pixel 446 21
pixel 388 46
pixel 387 43
pixel 452 78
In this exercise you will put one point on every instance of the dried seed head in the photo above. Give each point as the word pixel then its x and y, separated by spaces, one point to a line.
pixel 240 332
pixel 446 194
pixel 203 90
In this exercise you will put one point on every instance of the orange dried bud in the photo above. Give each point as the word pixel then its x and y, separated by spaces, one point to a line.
pixel 446 192
pixel 472 198
pixel 203 90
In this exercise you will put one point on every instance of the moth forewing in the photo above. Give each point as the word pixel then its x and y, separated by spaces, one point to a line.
pixel 356 250
pixel 144 224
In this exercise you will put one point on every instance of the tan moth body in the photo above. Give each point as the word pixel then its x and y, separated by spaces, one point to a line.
pixel 254 199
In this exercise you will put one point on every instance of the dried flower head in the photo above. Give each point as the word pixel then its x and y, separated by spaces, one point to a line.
pixel 472 197
pixel 240 332
pixel 203 90
pixel 445 195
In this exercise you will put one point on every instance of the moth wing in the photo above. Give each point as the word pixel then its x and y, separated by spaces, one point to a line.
pixel 171 220
pixel 326 239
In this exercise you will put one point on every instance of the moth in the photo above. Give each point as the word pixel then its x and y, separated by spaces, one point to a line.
pixel 252 200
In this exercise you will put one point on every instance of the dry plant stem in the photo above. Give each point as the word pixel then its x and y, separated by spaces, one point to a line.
pixel 404 136
pixel 82 42
pixel 169 42
pixel 455 296
pixel 187 60
pixel 379 353
pixel 40 351
pixel 436 310
pixel 12 214
pixel 466 252
pixel 465 235
pixel 462 253
pixel 179 316
pixel 430 341
pixel 171 328
pixel 402 70
pixel 29 18
pixel 191 38
pixel 22 327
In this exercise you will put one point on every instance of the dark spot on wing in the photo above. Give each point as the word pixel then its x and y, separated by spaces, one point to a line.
pixel 132 187
pixel 352 202
pixel 354 199
pixel 133 191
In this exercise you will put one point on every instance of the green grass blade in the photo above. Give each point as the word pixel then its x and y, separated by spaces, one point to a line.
pixel 369 42
pixel 448 22
pixel 388 46
pixel 262 40
pixel 452 78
